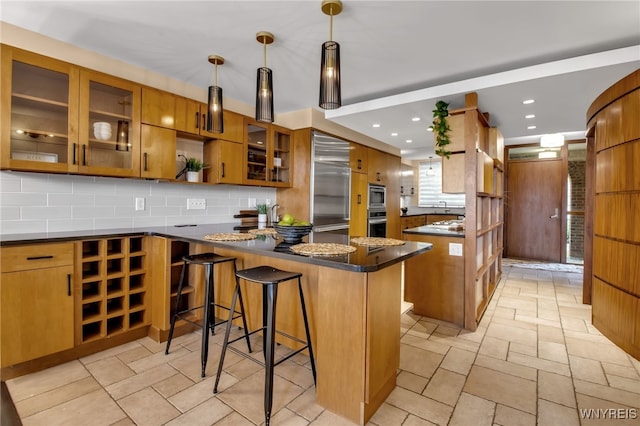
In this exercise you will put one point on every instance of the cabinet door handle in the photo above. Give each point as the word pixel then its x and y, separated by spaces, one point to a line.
pixel 401 189
pixel 74 153
pixel 204 120
pixel 197 120
pixel 359 164
pixel 378 176
pixel 39 257
pixel 144 161
pixel 68 284
pixel 222 170
pixel 359 198
pixel 84 155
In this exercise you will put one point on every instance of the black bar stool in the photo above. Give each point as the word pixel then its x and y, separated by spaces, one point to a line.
pixel 269 278
pixel 208 317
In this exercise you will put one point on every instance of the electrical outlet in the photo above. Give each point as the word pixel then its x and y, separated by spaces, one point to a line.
pixel 196 204
pixel 455 249
pixel 252 202
pixel 139 203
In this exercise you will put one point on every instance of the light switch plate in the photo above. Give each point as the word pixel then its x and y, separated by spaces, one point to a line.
pixel 455 249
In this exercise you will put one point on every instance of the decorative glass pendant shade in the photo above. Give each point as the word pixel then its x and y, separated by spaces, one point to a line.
pixel 264 86
pixel 215 122
pixel 330 93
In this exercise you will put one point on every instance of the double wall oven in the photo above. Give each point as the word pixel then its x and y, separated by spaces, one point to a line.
pixel 377 211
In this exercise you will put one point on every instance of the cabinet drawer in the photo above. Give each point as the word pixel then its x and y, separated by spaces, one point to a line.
pixel 22 258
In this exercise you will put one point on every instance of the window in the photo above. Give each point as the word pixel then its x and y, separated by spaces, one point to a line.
pixel 430 186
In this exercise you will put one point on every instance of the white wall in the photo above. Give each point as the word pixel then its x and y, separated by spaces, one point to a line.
pixel 38 202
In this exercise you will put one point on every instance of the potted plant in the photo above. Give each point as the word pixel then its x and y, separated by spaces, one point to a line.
pixel 193 166
pixel 441 128
pixel 263 209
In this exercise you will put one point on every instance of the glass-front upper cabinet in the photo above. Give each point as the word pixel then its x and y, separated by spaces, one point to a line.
pixel 256 148
pixel 281 171
pixel 109 127
pixel 268 154
pixel 39 118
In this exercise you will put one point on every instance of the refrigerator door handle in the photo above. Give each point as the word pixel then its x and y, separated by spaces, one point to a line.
pixel 327 228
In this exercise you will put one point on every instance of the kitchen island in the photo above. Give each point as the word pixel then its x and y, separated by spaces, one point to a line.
pixel 353 304
pixel 434 281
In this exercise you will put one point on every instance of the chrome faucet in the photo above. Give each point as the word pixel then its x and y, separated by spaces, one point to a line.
pixel 274 213
pixel 444 202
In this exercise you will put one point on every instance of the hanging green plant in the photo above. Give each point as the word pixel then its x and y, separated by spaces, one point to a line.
pixel 441 128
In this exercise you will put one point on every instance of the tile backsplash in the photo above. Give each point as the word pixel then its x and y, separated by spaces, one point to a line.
pixel 38 202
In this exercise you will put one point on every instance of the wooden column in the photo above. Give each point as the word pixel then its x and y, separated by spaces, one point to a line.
pixel 614 285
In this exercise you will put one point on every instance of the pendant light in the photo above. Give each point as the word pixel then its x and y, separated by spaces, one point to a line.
pixel 430 172
pixel 264 91
pixel 215 123
pixel 330 96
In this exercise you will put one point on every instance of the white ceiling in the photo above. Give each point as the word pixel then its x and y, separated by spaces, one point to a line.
pixel 398 57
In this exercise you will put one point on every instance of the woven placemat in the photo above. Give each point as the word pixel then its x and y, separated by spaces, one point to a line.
pixel 263 231
pixel 233 236
pixel 376 241
pixel 322 249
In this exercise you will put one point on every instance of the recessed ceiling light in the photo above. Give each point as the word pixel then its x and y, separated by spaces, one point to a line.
pixel 531 127
pixel 394 134
pixel 528 101
pixel 415 119
pixel 376 125
pixel 409 141
pixel 429 129
pixel 530 116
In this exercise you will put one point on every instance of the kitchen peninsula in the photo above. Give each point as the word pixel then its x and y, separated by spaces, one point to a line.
pixel 353 300
pixel 434 281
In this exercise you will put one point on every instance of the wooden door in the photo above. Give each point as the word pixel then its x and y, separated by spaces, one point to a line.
pixel 534 210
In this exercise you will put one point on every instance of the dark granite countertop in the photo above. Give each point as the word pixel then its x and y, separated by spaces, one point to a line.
pixel 433 230
pixel 364 259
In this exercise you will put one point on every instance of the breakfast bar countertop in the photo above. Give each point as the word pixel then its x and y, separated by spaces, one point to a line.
pixel 364 259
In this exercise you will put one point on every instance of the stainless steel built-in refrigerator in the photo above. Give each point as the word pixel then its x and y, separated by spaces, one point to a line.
pixel 330 188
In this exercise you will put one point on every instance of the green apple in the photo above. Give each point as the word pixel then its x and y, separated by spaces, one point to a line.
pixel 287 219
pixel 283 223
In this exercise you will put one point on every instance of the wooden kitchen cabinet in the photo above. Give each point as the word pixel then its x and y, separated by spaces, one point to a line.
pixel 104 98
pixel 158 152
pixel 359 202
pixel 191 117
pixel 39 104
pixel 36 294
pixel 112 295
pixel 408 222
pixel 225 162
pixel 268 154
pixel 358 157
pixel 158 108
pixel 377 166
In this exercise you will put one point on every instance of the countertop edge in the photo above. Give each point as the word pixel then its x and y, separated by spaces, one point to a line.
pixel 71 236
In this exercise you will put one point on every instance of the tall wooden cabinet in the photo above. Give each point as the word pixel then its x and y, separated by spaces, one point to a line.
pixel 36 294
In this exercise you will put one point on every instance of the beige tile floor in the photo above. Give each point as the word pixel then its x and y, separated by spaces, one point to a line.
pixel 534 360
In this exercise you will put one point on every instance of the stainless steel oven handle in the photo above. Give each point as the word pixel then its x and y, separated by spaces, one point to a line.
pixel 377 221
